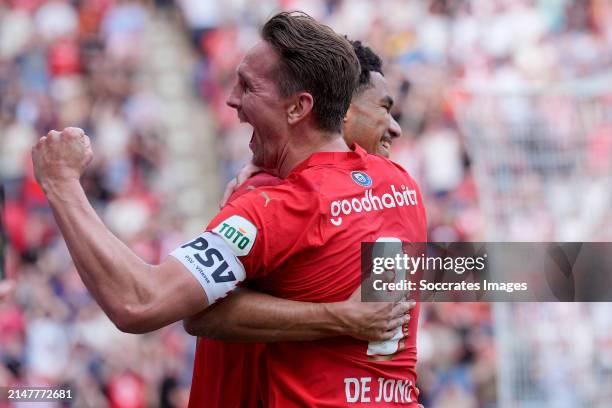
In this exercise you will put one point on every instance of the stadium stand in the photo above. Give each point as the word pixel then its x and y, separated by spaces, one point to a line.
pixel 123 71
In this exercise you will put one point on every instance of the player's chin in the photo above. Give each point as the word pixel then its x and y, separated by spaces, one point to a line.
pixel 383 151
pixel 384 147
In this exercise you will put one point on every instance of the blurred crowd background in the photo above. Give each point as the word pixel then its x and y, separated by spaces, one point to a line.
pixel 88 63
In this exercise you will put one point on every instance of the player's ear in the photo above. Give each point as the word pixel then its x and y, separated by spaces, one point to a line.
pixel 348 113
pixel 299 108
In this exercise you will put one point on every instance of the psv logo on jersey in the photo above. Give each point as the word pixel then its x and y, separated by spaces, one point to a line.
pixel 362 178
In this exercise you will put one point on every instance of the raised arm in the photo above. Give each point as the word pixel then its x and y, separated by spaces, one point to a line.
pixel 249 316
pixel 136 296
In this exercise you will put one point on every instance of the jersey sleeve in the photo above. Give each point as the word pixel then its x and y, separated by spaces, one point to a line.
pixel 251 237
pixel 266 226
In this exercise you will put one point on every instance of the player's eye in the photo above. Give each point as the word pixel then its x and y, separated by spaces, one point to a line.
pixel 245 86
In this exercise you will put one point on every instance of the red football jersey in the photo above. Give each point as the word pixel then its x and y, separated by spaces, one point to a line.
pixel 301 240
pixel 225 374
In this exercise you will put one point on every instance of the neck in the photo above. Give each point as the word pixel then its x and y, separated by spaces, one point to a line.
pixel 296 152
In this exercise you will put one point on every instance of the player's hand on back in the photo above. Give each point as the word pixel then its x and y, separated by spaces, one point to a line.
pixel 61 156
pixel 244 174
pixel 373 321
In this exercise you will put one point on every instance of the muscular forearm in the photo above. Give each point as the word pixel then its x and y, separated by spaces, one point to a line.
pixel 248 316
pixel 136 296
pixel 113 274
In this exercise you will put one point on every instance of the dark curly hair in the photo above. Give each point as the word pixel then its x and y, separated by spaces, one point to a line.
pixel 369 61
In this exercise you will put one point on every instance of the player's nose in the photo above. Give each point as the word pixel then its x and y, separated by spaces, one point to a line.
pixel 394 130
pixel 233 101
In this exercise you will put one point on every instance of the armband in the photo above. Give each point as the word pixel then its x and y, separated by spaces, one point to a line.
pixel 213 263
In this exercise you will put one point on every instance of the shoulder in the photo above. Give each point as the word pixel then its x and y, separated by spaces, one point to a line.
pixel 261 179
pixel 381 166
pixel 283 205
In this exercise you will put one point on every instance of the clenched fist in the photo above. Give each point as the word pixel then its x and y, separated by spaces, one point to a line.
pixel 61 156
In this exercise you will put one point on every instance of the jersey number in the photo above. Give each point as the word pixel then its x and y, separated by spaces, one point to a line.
pixel 388 247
